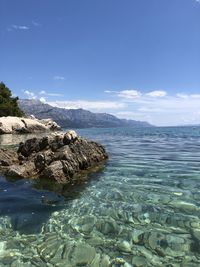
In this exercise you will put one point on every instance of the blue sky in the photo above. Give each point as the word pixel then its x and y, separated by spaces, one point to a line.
pixel 137 59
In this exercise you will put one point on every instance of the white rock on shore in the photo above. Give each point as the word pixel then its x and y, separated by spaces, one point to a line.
pixel 9 125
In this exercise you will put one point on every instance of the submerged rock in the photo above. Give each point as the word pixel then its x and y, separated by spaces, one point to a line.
pixel 138 261
pixel 59 157
pixel 83 254
pixel 119 262
pixel 124 246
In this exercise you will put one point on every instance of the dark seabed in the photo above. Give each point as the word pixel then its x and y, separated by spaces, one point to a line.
pixel 142 209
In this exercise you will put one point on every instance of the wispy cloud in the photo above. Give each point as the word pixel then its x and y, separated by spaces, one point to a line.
pixel 35 23
pixel 49 94
pixel 134 115
pixel 23 27
pixel 29 94
pixel 111 92
pixel 188 96
pixel 98 106
pixel 157 94
pixel 42 99
pixel 182 95
pixel 159 107
pixel 42 95
pixel 19 27
pixel 91 105
pixel 169 110
pixel 136 94
pixel 61 78
pixel 129 94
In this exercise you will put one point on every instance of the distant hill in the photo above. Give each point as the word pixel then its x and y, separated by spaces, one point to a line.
pixel 75 118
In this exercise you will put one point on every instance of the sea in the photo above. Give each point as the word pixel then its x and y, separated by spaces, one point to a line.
pixel 141 208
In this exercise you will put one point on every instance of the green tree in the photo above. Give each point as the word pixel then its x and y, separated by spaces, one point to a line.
pixel 8 104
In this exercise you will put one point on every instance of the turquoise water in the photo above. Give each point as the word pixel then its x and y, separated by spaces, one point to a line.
pixel 141 209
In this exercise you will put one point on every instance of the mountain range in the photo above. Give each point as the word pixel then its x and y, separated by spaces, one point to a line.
pixel 75 118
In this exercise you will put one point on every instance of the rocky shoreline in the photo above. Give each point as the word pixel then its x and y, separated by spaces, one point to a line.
pixel 10 125
pixel 59 157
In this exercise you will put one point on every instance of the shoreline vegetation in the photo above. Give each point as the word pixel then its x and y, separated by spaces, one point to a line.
pixel 8 103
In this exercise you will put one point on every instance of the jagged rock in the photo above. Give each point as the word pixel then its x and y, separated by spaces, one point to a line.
pixel 9 125
pixel 20 171
pixel 16 171
pixel 40 162
pixel 7 157
pixel 49 123
pixel 69 136
pixel 57 157
pixel 30 146
pixel 54 172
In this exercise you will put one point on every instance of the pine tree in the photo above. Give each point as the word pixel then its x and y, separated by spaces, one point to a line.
pixel 8 104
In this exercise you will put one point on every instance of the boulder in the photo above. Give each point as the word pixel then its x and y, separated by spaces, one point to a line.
pixel 50 124
pixel 58 157
pixel 7 158
pixel 9 125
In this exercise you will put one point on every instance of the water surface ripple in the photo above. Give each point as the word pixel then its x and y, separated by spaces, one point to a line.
pixel 141 209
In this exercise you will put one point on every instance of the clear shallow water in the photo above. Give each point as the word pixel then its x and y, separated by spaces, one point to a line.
pixel 142 209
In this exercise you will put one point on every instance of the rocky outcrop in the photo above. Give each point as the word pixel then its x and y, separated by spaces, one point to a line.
pixel 59 157
pixel 50 124
pixel 7 158
pixel 9 125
